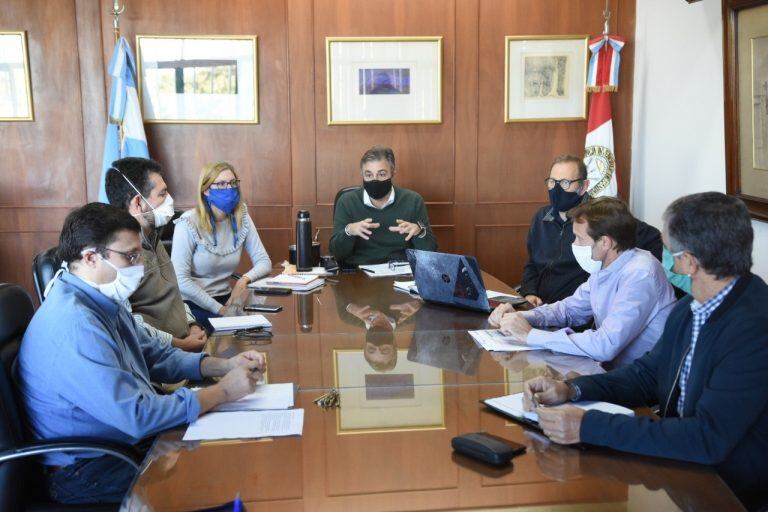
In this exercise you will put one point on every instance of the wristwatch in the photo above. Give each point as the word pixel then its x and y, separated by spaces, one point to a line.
pixel 575 390
pixel 423 231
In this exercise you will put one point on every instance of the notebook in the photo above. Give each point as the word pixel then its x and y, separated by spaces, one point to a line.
pixel 512 406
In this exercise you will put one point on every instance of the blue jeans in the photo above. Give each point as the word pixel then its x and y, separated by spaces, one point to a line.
pixel 103 479
pixel 202 315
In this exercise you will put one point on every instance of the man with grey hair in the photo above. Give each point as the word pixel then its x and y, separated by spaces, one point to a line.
pixel 708 371
pixel 377 222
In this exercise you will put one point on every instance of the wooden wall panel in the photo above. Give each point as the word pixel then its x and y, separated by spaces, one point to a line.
pixel 424 153
pixel 261 152
pixel 481 178
pixel 42 160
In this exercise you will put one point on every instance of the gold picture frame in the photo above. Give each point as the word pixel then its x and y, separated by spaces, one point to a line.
pixel 233 94
pixel 530 95
pixel 14 64
pixel 427 384
pixel 377 70
pixel 746 102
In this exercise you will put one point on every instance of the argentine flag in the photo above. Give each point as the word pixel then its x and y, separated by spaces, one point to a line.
pixel 124 111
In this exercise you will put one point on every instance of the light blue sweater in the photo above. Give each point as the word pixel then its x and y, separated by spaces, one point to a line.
pixel 203 268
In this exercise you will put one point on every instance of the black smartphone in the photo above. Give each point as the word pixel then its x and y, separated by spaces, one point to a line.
pixel 263 308
pixel 263 290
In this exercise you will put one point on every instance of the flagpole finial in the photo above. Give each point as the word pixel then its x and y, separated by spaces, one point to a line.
pixel 606 19
pixel 118 8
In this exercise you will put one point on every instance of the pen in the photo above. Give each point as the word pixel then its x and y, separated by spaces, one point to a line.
pixel 237 505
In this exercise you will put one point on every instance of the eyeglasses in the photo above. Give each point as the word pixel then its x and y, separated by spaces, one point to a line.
pixel 565 184
pixel 132 257
pixel 225 184
pixel 394 265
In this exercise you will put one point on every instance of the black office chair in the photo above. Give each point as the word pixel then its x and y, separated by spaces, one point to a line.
pixel 21 481
pixel 44 265
pixel 340 193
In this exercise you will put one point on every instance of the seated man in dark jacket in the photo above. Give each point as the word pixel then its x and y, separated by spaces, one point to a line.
pixel 708 371
pixel 552 273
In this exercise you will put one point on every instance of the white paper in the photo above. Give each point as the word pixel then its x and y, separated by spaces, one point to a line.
pixel 513 405
pixel 230 323
pixel 406 286
pixel 316 271
pixel 266 397
pixel 291 279
pixel 383 270
pixel 493 340
pixel 505 297
pixel 246 425
pixel 268 282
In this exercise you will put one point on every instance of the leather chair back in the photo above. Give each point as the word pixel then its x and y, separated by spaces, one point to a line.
pixel 16 310
pixel 44 266
pixel 340 193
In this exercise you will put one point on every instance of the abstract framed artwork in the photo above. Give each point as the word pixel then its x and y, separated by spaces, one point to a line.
pixel 384 80
pixel 198 79
pixel 545 78
pixel 15 81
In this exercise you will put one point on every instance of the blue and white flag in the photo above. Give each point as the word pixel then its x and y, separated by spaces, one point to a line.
pixel 124 111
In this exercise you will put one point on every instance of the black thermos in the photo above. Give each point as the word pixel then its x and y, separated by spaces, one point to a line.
pixel 303 242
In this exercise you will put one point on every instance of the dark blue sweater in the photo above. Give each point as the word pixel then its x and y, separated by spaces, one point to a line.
pixel 725 416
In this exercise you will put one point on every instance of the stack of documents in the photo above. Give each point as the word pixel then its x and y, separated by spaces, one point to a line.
pixel 266 397
pixel 493 340
pixel 232 323
pixel 512 406
pixel 383 270
pixel 295 282
pixel 406 286
pixel 246 425
pixel 263 413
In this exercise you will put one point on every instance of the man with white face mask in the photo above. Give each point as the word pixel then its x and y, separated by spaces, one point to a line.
pixel 136 185
pixel 627 294
pixel 85 368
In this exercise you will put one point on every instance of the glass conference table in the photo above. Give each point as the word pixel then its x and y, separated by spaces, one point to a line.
pixel 410 378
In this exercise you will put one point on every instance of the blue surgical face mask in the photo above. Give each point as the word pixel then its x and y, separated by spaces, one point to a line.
pixel 225 199
pixel 681 281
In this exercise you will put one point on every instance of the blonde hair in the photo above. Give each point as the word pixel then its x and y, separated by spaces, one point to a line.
pixel 207 176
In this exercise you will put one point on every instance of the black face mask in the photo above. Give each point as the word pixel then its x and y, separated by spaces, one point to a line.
pixel 563 201
pixel 377 189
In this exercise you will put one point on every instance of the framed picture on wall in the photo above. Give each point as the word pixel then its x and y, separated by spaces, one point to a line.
pixel 384 80
pixel 545 78
pixel 746 98
pixel 409 396
pixel 15 82
pixel 198 79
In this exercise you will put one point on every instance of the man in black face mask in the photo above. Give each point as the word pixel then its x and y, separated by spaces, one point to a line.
pixel 377 222
pixel 552 272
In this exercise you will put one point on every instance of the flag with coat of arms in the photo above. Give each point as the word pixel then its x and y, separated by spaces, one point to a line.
pixel 602 80
pixel 124 113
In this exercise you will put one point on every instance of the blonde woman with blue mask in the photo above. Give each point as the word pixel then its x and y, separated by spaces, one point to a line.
pixel 208 242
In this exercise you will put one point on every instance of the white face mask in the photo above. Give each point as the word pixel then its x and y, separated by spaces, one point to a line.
pixel 163 213
pixel 583 255
pixel 125 283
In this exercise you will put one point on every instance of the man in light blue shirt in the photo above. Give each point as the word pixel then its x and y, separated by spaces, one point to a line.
pixel 85 369
pixel 627 294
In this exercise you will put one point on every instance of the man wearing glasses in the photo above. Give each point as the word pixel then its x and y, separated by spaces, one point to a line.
pixel 85 368
pixel 376 223
pixel 552 273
